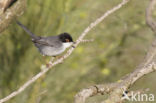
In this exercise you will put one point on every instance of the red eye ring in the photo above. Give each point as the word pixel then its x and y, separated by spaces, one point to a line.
pixel 67 40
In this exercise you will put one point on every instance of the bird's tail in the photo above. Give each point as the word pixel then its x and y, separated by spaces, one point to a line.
pixel 26 30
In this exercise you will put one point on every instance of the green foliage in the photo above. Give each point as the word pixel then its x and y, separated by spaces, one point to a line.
pixel 120 44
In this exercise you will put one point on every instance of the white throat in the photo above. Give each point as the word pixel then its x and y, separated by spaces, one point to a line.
pixel 67 45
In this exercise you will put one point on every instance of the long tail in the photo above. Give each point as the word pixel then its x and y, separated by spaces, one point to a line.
pixel 26 30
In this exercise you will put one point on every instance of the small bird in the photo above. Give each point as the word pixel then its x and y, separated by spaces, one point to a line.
pixel 51 45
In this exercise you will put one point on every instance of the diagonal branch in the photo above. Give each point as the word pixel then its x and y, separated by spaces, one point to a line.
pixel 46 69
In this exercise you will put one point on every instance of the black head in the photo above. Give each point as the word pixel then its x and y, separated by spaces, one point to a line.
pixel 65 37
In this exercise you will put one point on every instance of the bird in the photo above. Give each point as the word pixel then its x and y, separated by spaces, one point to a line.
pixel 50 45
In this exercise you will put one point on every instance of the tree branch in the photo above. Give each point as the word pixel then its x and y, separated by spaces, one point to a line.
pixel 10 11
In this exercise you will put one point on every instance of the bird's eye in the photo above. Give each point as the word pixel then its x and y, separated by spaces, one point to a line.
pixel 67 40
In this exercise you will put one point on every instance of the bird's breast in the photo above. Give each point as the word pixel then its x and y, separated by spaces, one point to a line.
pixel 51 51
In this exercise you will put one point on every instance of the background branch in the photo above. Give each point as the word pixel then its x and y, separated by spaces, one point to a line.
pixel 10 11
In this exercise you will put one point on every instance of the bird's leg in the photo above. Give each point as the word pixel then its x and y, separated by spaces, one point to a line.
pixel 51 61
pixel 58 57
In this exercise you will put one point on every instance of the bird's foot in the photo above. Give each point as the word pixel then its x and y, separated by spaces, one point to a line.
pixel 50 62
pixel 47 65
pixel 58 57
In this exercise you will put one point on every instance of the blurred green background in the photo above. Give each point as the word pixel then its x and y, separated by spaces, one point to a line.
pixel 121 42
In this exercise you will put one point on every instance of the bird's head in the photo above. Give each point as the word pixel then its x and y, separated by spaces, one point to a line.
pixel 66 39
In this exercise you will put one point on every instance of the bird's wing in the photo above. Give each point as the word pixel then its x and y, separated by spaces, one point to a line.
pixel 54 40
pixel 41 42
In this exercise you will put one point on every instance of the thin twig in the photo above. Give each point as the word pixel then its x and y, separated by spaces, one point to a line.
pixel 87 40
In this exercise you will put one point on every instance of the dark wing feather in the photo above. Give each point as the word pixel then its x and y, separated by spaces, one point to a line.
pixel 42 43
